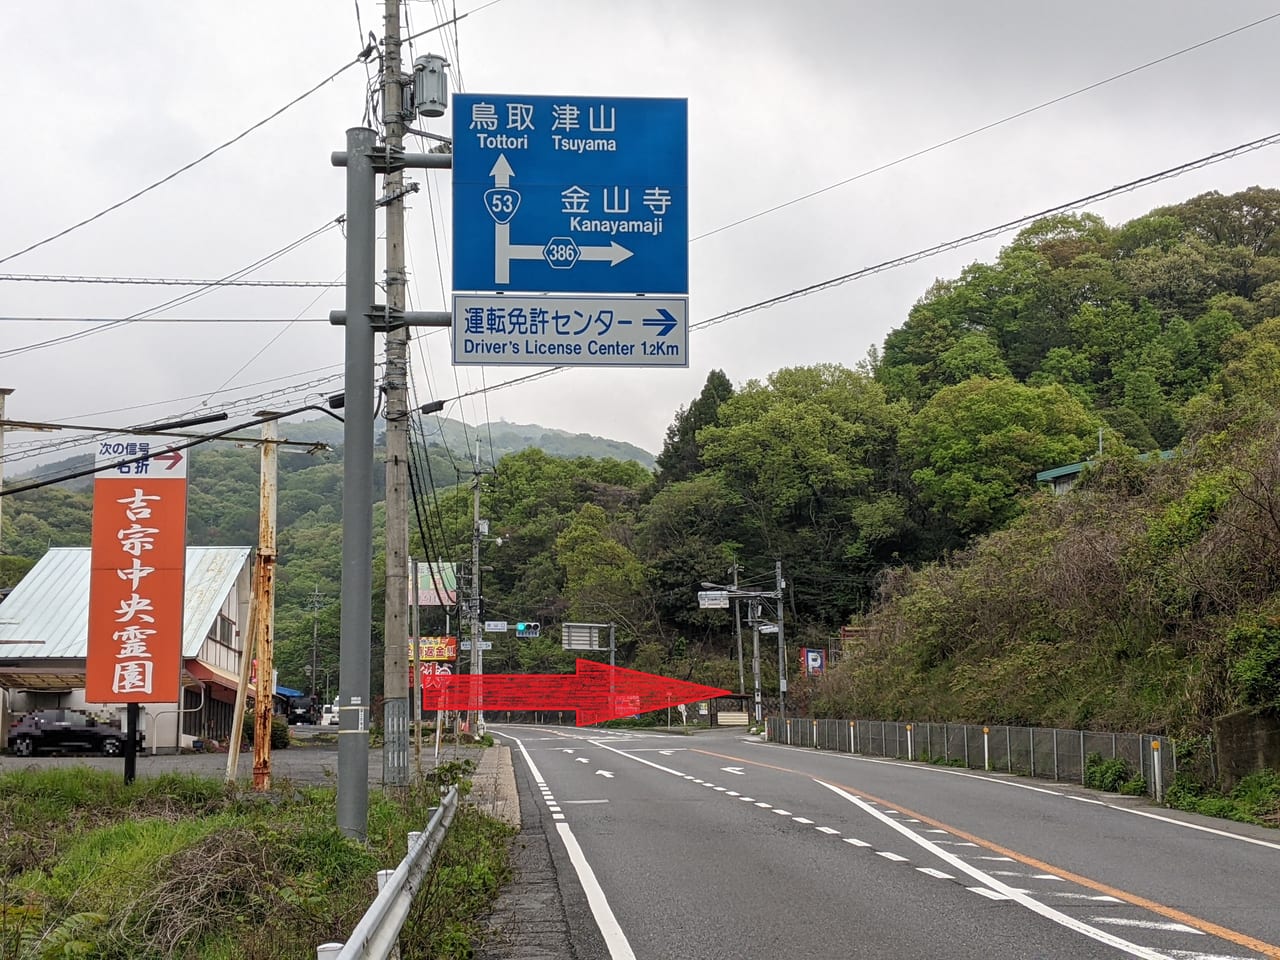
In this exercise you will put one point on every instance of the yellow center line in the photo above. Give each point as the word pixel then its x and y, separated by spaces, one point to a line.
pixel 1173 913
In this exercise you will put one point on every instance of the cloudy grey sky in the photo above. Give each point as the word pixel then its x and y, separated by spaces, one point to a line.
pixel 101 99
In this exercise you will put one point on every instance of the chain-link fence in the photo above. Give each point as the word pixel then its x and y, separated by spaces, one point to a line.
pixel 1064 755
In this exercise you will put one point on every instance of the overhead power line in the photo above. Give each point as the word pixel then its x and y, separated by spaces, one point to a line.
pixel 161 281
pixel 938 248
pixel 180 299
pixel 361 57
pixel 982 129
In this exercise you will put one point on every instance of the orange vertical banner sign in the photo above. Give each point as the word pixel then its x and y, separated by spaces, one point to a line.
pixel 137 574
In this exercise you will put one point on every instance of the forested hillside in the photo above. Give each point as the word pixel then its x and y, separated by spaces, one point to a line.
pixel 898 491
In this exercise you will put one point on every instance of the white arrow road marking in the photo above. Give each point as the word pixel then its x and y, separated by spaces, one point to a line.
pixel 566 750
pixel 737 770
pixel 581 759
pixel 604 773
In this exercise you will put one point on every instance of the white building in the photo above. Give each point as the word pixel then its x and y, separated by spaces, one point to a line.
pixel 44 624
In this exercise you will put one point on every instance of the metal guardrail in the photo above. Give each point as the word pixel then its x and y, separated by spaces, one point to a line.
pixel 376 935
pixel 1042 752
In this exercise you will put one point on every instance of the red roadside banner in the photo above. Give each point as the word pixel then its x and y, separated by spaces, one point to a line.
pixel 137 574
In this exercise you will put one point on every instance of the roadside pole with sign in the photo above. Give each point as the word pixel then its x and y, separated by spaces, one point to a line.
pixel 136 581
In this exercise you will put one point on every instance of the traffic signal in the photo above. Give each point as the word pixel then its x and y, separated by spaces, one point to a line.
pixel 528 631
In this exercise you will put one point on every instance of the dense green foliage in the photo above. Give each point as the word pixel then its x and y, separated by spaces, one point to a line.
pixel 217 872
pixel 899 494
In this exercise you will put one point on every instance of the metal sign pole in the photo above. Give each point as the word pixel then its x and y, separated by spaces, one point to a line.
pixel 357 482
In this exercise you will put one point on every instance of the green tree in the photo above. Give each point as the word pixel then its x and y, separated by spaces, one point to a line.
pixel 976 447
pixel 681 456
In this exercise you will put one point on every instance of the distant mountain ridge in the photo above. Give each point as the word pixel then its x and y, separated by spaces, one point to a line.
pixel 497 440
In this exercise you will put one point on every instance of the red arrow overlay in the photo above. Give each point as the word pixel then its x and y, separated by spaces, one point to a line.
pixel 596 692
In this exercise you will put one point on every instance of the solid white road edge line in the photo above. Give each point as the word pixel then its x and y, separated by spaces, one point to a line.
pixel 1035 906
pixel 616 941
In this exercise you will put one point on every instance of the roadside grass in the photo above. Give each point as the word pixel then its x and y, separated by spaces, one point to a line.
pixel 188 867
pixel 1255 799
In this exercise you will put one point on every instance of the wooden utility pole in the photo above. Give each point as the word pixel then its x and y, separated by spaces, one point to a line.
pixel 395 672
pixel 264 587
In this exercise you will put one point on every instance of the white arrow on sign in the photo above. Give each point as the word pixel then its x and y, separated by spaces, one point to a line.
pixel 737 770
pixel 582 759
pixel 504 251
pixel 604 773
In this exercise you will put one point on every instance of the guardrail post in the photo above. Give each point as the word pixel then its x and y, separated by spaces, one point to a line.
pixel 1082 758
pixel 1055 754
pixel 414 835
pixel 329 951
pixel 910 753
pixel 966 746
pixel 1008 748
pixel 1031 733
pixel 986 748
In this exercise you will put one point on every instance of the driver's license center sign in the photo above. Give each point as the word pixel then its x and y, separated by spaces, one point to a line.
pixel 136 577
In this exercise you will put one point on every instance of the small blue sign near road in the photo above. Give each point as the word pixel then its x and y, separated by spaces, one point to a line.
pixel 570 194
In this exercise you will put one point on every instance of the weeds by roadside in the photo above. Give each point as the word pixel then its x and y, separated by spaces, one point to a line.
pixel 186 867
pixel 1255 799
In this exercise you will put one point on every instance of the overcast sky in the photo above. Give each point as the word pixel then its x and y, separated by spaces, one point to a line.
pixel 101 99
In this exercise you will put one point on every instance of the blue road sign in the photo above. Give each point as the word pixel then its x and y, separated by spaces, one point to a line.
pixel 513 329
pixel 570 194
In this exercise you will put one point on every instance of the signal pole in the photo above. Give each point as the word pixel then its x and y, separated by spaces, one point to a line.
pixel 395 680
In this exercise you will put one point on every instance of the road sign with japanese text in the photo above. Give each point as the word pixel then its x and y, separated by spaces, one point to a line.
pixel 137 574
pixel 570 194
pixel 436 648
pixel 518 329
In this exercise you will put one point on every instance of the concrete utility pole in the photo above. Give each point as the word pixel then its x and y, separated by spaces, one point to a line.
pixel 316 604
pixel 477 655
pixel 363 160
pixel 415 668
pixel 395 668
pixel 264 597
pixel 737 630
pixel 782 644
pixel 4 392
pixel 755 656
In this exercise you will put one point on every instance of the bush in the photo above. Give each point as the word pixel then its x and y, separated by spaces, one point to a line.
pixel 1255 799
pixel 1111 776
pixel 279 731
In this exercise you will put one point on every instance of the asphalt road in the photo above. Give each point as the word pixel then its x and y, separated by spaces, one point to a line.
pixel 720 846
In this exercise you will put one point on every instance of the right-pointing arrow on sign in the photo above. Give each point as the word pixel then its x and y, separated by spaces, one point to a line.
pixel 666 321
pixel 615 253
